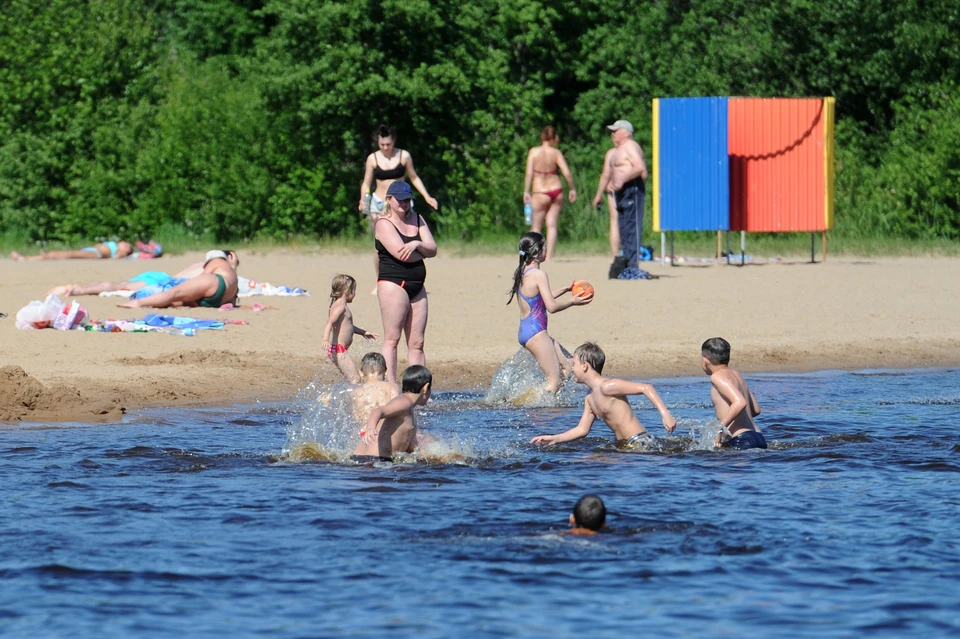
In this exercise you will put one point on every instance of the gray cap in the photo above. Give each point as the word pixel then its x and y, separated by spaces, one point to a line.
pixel 621 124
pixel 214 255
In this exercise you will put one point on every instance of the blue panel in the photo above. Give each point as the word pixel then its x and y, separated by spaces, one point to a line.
pixel 694 165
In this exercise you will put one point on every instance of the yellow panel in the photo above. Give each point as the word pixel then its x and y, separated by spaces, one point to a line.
pixel 828 161
pixel 656 165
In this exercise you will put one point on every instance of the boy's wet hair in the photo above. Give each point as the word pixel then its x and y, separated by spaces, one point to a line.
pixel 591 354
pixel 531 248
pixel 340 285
pixel 590 513
pixel 373 362
pixel 415 378
pixel 716 350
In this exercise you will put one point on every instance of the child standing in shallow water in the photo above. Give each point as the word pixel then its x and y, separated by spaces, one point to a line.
pixel 608 401
pixel 339 331
pixel 735 405
pixel 535 299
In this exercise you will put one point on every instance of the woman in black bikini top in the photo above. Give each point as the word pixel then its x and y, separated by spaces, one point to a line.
pixel 403 241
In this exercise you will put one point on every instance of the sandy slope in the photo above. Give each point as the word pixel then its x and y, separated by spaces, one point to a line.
pixel 788 316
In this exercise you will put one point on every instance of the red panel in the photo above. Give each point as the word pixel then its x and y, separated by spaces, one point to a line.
pixel 776 164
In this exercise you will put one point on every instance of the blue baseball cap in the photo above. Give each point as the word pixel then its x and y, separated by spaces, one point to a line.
pixel 400 191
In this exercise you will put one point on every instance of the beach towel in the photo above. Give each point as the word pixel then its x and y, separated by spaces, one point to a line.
pixel 248 288
pixel 171 321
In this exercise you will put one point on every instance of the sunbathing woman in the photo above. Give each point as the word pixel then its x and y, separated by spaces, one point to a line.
pixel 546 198
pixel 213 288
pixel 532 289
pixel 102 251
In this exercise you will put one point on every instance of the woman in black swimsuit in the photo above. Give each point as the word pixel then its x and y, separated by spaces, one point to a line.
pixel 403 241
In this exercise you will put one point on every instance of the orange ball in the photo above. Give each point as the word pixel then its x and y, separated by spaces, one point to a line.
pixel 582 288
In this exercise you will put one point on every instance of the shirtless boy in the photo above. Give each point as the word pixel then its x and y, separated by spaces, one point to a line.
pixel 393 428
pixel 628 172
pixel 339 331
pixel 374 391
pixel 608 401
pixel 735 404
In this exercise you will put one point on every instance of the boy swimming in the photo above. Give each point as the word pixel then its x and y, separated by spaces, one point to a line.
pixel 339 330
pixel 393 428
pixel 607 400
pixel 589 516
pixel 734 403
pixel 374 391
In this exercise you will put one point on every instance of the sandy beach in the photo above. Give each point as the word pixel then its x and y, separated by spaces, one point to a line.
pixel 781 316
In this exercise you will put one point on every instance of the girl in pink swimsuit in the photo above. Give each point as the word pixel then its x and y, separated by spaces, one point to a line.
pixel 542 188
pixel 531 287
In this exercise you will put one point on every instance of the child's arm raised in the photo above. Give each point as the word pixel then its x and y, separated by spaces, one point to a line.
pixel 337 310
pixel 619 387
pixel 580 431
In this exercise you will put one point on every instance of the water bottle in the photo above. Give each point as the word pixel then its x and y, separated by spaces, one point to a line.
pixel 186 332
pixel 528 213
pixel 366 202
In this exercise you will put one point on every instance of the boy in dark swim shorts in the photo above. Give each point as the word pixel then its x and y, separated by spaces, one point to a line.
pixel 734 403
pixel 608 401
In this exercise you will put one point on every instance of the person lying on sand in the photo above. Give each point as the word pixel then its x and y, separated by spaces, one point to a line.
pixel 102 251
pixel 137 283
pixel 212 288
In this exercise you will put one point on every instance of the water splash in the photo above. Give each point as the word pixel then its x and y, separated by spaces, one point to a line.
pixel 326 430
pixel 703 433
pixel 519 382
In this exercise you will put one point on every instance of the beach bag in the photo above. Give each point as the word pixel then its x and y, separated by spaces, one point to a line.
pixel 36 314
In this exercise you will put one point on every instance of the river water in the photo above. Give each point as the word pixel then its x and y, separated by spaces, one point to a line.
pixel 213 522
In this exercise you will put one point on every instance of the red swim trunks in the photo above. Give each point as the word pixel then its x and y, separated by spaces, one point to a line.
pixel 336 349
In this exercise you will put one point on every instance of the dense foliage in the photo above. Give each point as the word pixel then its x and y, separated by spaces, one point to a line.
pixel 239 118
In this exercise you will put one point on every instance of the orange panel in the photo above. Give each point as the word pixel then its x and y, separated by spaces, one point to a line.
pixel 776 148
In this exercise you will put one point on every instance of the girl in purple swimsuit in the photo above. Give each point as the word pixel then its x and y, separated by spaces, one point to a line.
pixel 535 299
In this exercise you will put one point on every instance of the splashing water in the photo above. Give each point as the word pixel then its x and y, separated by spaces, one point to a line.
pixel 519 381
pixel 703 433
pixel 327 429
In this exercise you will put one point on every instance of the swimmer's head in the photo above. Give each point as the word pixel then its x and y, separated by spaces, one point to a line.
pixel 417 379
pixel 342 286
pixel 124 249
pixel 373 365
pixel 589 513
pixel 716 351
pixel 590 353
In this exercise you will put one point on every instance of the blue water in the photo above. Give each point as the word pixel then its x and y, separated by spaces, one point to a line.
pixel 190 523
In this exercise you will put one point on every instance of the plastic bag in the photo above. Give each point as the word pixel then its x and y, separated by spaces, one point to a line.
pixel 38 314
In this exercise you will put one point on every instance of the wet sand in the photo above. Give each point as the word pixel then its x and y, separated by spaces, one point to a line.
pixel 787 316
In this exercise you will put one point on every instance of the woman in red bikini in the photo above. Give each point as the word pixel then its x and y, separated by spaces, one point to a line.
pixel 542 188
